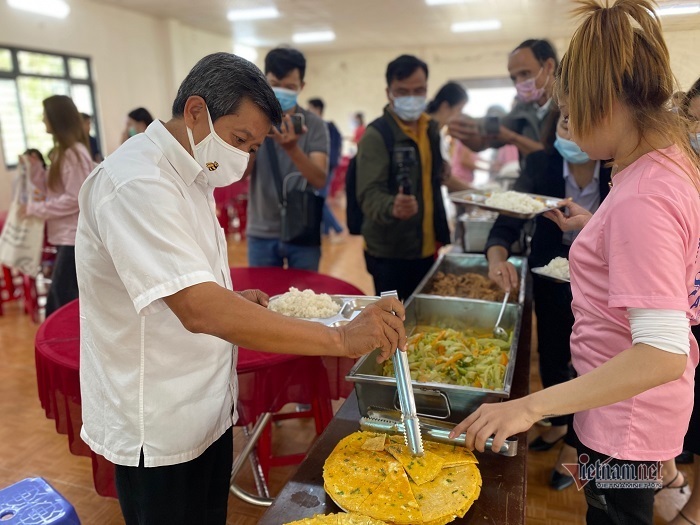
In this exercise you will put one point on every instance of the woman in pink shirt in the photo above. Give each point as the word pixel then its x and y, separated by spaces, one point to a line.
pixel 71 163
pixel 635 270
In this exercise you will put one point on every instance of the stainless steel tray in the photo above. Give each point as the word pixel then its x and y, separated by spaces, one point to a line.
pixel 439 400
pixel 460 263
pixel 350 307
pixel 540 271
pixel 478 198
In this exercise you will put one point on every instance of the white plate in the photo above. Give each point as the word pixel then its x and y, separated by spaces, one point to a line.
pixel 540 271
pixel 478 198
pixel 350 307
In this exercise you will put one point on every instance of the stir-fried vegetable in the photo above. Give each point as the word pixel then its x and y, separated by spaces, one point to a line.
pixel 466 358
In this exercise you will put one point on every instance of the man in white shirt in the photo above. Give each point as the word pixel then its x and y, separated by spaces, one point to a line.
pixel 159 319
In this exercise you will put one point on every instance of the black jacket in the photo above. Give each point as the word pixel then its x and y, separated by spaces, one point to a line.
pixel 543 175
pixel 377 186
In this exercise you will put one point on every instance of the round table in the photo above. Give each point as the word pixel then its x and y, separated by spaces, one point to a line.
pixel 266 381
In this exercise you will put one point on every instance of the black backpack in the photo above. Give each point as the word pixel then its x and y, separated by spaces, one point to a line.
pixel 353 210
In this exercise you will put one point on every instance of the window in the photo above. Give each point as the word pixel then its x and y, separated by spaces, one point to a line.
pixel 485 93
pixel 26 79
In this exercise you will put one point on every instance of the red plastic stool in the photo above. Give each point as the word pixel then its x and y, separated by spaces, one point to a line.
pixel 239 206
pixel 267 382
pixel 322 413
pixel 31 297
pixel 8 290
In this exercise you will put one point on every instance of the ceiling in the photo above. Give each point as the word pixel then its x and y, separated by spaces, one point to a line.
pixel 363 24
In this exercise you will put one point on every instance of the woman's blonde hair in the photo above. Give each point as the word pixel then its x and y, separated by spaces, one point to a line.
pixel 67 130
pixel 619 54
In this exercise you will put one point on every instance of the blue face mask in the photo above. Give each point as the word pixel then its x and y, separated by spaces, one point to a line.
pixel 286 97
pixel 570 151
pixel 409 109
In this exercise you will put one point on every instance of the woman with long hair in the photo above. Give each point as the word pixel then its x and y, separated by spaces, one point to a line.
pixel 71 163
pixel 562 170
pixel 633 269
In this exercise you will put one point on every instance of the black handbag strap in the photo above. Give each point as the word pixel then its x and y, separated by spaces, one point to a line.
pixel 275 165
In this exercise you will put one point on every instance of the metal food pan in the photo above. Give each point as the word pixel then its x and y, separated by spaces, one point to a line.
pixel 350 307
pixel 461 263
pixel 449 402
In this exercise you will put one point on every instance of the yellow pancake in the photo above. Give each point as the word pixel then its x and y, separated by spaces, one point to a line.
pixel 421 469
pixel 449 495
pixel 350 474
pixel 453 455
pixel 338 519
pixel 375 443
pixel 374 484
pixel 393 500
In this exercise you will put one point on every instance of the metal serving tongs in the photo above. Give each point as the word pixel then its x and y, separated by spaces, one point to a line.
pixel 409 416
pixel 389 422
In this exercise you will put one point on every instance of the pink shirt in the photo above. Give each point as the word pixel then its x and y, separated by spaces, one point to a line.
pixel 459 171
pixel 640 250
pixel 60 209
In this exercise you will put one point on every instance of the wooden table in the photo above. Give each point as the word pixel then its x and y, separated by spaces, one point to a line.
pixel 502 499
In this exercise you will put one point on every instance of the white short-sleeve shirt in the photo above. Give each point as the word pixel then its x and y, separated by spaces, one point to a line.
pixel 148 229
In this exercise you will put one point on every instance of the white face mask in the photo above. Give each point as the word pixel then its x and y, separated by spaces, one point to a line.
pixel 222 163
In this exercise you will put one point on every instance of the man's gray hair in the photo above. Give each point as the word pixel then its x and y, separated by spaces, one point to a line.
pixel 224 80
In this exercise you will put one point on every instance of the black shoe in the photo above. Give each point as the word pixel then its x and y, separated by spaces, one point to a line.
pixel 540 445
pixel 560 481
pixel 685 458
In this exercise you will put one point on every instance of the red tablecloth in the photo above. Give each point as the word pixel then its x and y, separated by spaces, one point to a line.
pixel 266 381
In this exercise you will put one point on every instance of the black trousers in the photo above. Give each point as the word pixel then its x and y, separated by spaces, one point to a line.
pixel 64 281
pixel 192 492
pixel 397 274
pixel 629 506
pixel 555 321
pixel 692 437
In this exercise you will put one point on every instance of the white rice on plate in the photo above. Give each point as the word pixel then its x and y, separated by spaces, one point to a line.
pixel 305 304
pixel 558 268
pixel 514 201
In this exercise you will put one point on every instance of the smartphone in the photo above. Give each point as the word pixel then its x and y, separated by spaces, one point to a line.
pixel 404 159
pixel 491 126
pixel 298 123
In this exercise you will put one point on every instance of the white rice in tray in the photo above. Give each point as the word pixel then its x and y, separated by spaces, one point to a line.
pixel 305 304
pixel 514 201
pixel 558 268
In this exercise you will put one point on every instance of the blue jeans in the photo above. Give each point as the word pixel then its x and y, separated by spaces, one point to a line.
pixel 273 252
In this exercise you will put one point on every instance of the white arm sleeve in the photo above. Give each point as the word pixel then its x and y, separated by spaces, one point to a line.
pixel 667 330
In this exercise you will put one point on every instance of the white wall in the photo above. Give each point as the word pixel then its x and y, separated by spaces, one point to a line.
pixel 140 60
pixel 137 60
pixel 354 81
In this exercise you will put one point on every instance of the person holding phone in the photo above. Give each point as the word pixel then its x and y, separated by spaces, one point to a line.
pixel 400 170
pixel 531 66
pixel 634 269
pixel 299 145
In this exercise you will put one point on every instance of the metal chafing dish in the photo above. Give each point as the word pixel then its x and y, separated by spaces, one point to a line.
pixel 460 263
pixel 439 400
